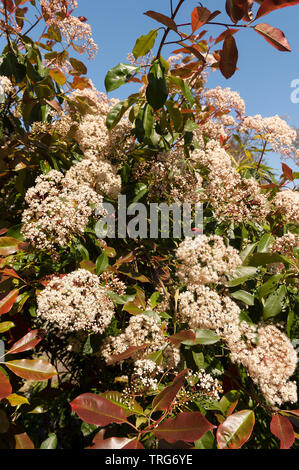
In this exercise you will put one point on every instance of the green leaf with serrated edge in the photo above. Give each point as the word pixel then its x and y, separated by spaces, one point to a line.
pixel 119 75
pixel 145 43
pixel 273 304
pixel 244 296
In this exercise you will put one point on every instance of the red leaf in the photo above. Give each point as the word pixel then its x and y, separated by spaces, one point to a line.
pixel 270 5
pixel 80 83
pixel 199 17
pixel 274 36
pixel 229 56
pixel 186 427
pixel 23 441
pixel 9 5
pixel 8 301
pixel 10 273
pixel 182 336
pixel 94 409
pixel 235 430
pixel 126 354
pixel 134 444
pixel 287 171
pixel 26 343
pixel 164 400
pixel 162 19
pixel 113 443
pixel 5 387
pixel 281 427
pixel 237 9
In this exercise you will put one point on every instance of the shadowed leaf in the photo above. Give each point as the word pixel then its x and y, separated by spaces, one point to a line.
pixel 281 427
pixel 94 409
pixel 187 427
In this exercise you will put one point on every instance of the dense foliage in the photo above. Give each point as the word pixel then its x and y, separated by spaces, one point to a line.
pixel 143 341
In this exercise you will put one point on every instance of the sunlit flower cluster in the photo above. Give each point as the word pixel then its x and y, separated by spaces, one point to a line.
pixel 287 203
pixel 76 302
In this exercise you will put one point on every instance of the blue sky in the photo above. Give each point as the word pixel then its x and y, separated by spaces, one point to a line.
pixel 264 75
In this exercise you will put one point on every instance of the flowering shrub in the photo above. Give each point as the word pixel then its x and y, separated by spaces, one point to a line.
pixel 143 342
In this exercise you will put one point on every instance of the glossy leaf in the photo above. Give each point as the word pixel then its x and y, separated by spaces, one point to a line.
pixel 58 76
pixel 126 354
pixel 118 399
pixel 270 5
pixel 102 263
pixel 156 92
pixel 274 36
pixel 8 301
pixel 117 112
pixel 8 246
pixel 229 402
pixel 23 441
pixel 164 400
pixel 119 75
pixel 6 326
pixel 112 443
pixel 186 427
pixel 50 442
pixel 273 304
pixel 78 66
pixel 183 335
pixel 199 17
pixel 17 400
pixel 241 275
pixel 162 19
pixel 35 370
pixel 236 9
pixel 145 43
pixel 281 427
pixel 5 386
pixel 235 430
pixel 206 337
pixel 81 83
pixel 229 56
pixel 26 343
pixel 95 409
pixel 244 296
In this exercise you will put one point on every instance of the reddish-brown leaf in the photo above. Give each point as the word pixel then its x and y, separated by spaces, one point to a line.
pixel 274 36
pixel 5 387
pixel 113 443
pixel 23 441
pixel 281 427
pixel 186 427
pixel 223 35
pixel 26 343
pixel 199 17
pixel 270 5
pixel 35 370
pixel 134 444
pixel 94 409
pixel 8 301
pixel 8 246
pixel 229 56
pixel 125 355
pixel 237 9
pixel 287 171
pixel 182 336
pixel 80 83
pixel 162 19
pixel 10 273
pixel 235 430
pixel 164 400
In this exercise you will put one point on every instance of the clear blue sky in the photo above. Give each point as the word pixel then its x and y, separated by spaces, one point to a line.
pixel 264 75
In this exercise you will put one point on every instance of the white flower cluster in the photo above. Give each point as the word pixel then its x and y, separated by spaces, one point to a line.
pixel 286 244
pixel 5 87
pixel 205 260
pixel 231 195
pixel 270 359
pixel 76 302
pixel 141 330
pixel 287 202
pixel 145 374
pixel 225 99
pixel 59 208
pixel 205 384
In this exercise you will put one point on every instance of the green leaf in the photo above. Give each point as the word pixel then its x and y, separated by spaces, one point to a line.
pixel 273 304
pixel 206 442
pixel 145 43
pixel 117 398
pixel 119 75
pixel 243 296
pixel 206 337
pixel 156 92
pixel 121 299
pixel 117 112
pixel 265 242
pixel 262 259
pixel 241 275
pixel 269 286
pixel 78 66
pixel 235 430
pixel 102 263
pixel 50 442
